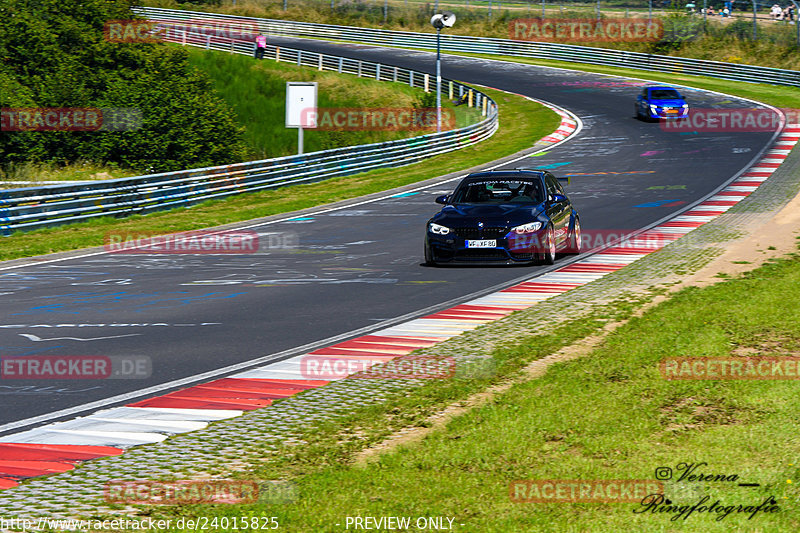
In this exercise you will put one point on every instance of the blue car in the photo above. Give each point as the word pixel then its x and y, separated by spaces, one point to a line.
pixel 655 103
pixel 503 217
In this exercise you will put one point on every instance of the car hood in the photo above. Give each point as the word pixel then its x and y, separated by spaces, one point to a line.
pixel 468 215
pixel 668 102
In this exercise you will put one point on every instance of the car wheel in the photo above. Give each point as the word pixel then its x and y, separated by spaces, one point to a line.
pixel 429 256
pixel 574 242
pixel 549 252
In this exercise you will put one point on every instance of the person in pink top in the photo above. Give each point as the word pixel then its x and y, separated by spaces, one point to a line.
pixel 261 44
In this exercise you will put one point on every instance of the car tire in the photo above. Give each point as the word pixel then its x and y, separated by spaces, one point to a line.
pixel 548 255
pixel 574 240
pixel 429 256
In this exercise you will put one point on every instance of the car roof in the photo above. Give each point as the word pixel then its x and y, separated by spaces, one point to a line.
pixel 663 87
pixel 507 173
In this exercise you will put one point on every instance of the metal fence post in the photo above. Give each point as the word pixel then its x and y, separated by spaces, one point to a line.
pixel 299 58
pixel 319 66
pixel 378 72
pixel 341 64
pixel 359 68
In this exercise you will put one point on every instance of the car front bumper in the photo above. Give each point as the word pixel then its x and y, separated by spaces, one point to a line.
pixel 509 249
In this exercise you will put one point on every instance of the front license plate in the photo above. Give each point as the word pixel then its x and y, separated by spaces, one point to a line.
pixel 671 111
pixel 482 244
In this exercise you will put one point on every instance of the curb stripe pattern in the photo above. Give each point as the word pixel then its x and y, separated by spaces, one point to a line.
pixel 59 446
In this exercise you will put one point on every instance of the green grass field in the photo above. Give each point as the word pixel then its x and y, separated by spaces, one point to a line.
pixel 256 90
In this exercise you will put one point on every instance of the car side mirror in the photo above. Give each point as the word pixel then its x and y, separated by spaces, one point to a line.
pixel 443 199
pixel 557 198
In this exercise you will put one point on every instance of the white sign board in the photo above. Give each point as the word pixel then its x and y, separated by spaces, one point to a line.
pixel 301 104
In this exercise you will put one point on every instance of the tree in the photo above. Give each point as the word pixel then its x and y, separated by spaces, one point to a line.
pixel 53 53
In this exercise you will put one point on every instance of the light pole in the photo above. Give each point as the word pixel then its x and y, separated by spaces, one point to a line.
pixel 439 21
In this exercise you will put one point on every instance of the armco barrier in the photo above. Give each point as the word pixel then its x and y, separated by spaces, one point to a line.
pixel 506 47
pixel 37 207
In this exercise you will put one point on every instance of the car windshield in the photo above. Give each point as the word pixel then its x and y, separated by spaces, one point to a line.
pixel 665 94
pixel 499 191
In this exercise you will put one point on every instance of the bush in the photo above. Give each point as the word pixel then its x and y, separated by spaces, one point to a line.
pixel 184 124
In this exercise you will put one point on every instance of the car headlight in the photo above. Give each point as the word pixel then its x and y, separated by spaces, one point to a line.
pixel 685 106
pixel 528 228
pixel 654 108
pixel 436 229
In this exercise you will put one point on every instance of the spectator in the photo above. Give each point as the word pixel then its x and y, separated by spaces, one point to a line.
pixel 788 13
pixel 261 44
pixel 776 12
pixel 710 11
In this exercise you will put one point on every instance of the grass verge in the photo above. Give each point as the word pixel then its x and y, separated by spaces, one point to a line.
pixel 610 416
pixel 256 91
pixel 35 173
pixel 530 120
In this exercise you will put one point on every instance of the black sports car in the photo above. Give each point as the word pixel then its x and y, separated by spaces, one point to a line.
pixel 503 216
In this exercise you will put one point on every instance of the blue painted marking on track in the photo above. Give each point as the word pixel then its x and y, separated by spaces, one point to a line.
pixel 135 302
pixel 404 195
pixel 300 219
pixel 658 204
pixel 553 165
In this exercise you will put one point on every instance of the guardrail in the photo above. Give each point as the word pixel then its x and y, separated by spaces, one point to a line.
pixel 492 46
pixel 38 207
